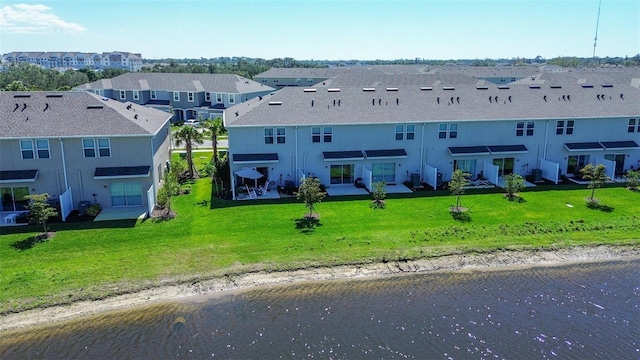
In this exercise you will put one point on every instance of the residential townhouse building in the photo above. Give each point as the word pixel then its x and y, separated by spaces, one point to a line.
pixel 80 148
pixel 189 96
pixel 77 60
pixel 394 134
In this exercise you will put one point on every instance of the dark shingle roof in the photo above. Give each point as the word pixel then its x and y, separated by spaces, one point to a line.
pixel 122 172
pixel 70 114
pixel 18 175
pixel 358 105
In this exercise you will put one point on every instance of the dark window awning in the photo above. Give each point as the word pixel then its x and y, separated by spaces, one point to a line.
pixel 255 158
pixel 122 172
pixel 468 150
pixel 620 145
pixel 507 149
pixel 342 155
pixel 13 176
pixel 390 153
pixel 583 146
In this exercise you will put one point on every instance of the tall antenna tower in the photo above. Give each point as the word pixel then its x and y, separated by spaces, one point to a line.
pixel 595 41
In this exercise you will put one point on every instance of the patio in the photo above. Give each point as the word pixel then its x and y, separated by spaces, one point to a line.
pixel 8 218
pixel 139 212
pixel 349 189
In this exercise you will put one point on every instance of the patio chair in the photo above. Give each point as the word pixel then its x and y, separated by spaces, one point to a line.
pixel 264 188
pixel 252 193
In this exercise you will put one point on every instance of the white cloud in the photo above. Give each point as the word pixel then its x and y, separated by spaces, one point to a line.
pixel 34 19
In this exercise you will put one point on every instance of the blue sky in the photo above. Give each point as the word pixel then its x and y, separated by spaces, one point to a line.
pixel 321 29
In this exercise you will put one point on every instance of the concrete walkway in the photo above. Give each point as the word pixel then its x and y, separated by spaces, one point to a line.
pixel 139 212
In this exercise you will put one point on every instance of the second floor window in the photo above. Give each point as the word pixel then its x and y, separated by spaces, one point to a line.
pixel 322 134
pixel 409 134
pixel 176 96
pixel 90 150
pixel 40 151
pixel 268 136
pixel 280 138
pixel 207 97
pixel 277 135
pixel 632 125
pixel 123 95
pixel 136 95
pixel 232 98
pixel 564 127
pixel 219 98
pixel 42 148
pixel 448 131
pixel 153 95
pixel 190 96
pixel 525 128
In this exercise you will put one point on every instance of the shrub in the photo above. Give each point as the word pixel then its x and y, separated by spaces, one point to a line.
pixel 379 194
pixel 633 177
pixel 94 210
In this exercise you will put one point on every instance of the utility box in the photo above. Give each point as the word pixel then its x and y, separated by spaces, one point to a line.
pixel 82 207
pixel 536 174
pixel 415 180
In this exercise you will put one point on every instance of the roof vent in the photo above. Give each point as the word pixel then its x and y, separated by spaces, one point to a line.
pixel 607 85
pixel 490 99
pixel 397 101
pixel 587 86
pixel 458 99
pixel 24 106
pixel 309 90
pixel 275 102
pixel 544 98
pixel 46 106
pixel 569 97
pixel 22 95
pixel 95 107
pixel 426 88
pixel 622 96
pixel 555 86
pixel 482 87
pixel 311 102
pixel 503 87
pixel 56 96
pixel 509 98
pixel 438 100
pixel 135 116
pixel 391 89
pixel 333 90
pixel 448 88
pixel 368 89
pixel 534 86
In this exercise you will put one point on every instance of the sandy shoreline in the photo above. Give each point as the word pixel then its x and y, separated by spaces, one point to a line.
pixel 494 260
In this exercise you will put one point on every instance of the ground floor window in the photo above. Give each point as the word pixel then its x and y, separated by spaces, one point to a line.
pixel 13 198
pixel 342 174
pixel 468 166
pixel 385 172
pixel 619 159
pixel 126 193
pixel 575 163
pixel 505 165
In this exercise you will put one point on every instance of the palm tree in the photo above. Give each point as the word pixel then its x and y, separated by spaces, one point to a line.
pixel 214 128
pixel 459 180
pixel 189 135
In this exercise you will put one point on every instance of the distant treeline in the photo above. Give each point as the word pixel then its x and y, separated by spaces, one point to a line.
pixel 25 76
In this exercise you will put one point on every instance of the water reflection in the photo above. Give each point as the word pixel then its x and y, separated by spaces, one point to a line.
pixel 572 311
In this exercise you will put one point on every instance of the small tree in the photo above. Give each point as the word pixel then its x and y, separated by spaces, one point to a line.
pixel 596 174
pixel 189 135
pixel 513 184
pixel 633 177
pixel 309 192
pixel 459 180
pixel 40 210
pixel 379 194
pixel 214 128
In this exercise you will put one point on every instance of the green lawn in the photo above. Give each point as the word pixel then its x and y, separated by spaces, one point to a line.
pixel 212 237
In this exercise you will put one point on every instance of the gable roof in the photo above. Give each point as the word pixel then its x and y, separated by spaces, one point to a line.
pixel 71 114
pixel 225 83
pixel 358 105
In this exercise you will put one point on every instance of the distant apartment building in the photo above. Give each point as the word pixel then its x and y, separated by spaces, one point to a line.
pixel 77 60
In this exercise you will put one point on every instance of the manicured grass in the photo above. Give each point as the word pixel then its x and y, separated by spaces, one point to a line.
pixel 213 237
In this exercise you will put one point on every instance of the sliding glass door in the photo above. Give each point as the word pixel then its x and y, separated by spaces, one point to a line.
pixel 126 193
pixel 342 174
pixel 13 198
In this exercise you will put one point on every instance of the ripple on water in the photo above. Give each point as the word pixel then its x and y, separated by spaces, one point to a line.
pixel 574 311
